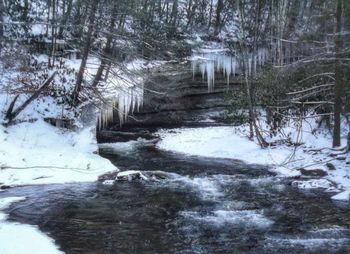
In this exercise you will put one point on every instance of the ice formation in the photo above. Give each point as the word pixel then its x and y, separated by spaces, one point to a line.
pixel 127 98
pixel 209 61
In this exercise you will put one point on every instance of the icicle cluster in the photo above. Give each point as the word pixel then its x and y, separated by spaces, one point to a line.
pixel 127 102
pixel 209 62
pixel 127 98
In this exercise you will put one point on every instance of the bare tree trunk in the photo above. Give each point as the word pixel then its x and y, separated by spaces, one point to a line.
pixel 107 49
pixel 53 35
pixel 10 115
pixel 210 14
pixel 2 14
pixel 219 8
pixel 65 19
pixel 85 55
pixel 254 128
pixel 338 89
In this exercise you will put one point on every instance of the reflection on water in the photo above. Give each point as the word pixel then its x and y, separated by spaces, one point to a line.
pixel 200 206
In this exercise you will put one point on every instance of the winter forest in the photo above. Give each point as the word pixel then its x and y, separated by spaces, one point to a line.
pixel 175 126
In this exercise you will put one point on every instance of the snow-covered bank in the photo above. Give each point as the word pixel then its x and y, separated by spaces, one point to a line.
pixel 218 142
pixel 38 153
pixel 19 238
pixel 231 142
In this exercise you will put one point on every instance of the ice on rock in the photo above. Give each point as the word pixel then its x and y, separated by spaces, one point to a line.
pixel 128 100
pixel 209 61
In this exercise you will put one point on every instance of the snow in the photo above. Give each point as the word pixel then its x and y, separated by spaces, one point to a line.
pixel 231 142
pixel 343 196
pixel 38 153
pixel 218 142
pixel 17 238
pixel 38 29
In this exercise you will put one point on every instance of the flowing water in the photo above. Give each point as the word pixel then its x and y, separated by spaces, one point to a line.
pixel 199 205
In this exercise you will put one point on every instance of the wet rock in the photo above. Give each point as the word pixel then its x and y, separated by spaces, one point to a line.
pixel 341 158
pixel 60 122
pixel 4 186
pixel 108 176
pixel 330 166
pixel 313 172
pixel 131 175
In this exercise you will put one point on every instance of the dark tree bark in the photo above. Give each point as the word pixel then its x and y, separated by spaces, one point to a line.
pixel 338 90
pixel 107 49
pixel 219 9
pixel 65 18
pixel 11 114
pixel 53 35
pixel 2 13
pixel 88 42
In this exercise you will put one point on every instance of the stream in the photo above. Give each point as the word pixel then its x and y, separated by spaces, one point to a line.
pixel 201 205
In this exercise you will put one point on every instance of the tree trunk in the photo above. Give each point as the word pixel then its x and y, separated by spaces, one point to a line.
pixel 65 19
pixel 85 55
pixel 53 35
pixel 10 115
pixel 107 49
pixel 338 89
pixel 2 14
pixel 219 8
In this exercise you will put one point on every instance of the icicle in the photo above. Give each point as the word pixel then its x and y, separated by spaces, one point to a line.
pixel 234 67
pixel 228 68
pixel 194 68
pixel 249 66
pixel 255 64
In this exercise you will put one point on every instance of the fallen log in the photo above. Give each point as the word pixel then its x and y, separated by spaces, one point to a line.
pixel 10 115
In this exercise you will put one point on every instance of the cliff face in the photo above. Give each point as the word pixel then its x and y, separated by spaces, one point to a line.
pixel 172 98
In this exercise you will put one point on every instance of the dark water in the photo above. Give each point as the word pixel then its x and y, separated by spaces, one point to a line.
pixel 201 206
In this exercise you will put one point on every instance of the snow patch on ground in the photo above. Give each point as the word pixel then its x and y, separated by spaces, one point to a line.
pixel 218 142
pixel 38 153
pixel 345 195
pixel 18 238
pixel 231 142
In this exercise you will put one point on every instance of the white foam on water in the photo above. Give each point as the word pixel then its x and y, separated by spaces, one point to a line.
pixel 310 243
pixel 242 218
pixel 205 187
pixel 124 147
pixel 254 182
pixel 236 205
pixel 330 238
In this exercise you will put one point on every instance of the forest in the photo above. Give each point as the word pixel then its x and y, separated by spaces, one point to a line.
pixel 174 126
